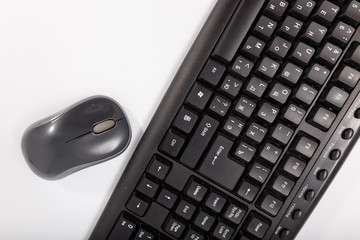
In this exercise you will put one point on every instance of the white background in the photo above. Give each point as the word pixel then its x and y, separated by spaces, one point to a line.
pixel 55 53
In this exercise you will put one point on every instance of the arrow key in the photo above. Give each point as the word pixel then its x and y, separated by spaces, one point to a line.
pixel 137 205
pixel 147 187
pixel 166 198
pixel 247 191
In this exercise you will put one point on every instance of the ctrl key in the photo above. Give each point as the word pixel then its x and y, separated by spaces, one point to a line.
pixel 256 225
pixel 174 227
pixel 123 229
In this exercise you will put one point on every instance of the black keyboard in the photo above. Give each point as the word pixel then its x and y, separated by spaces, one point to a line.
pixel 258 120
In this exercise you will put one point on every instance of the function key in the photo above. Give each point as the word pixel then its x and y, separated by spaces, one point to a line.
pixel 223 231
pixel 137 205
pixel 309 195
pixel 341 34
pixel 265 27
pixel 123 229
pixel 204 221
pixel 335 97
pixel 242 67
pixel 253 47
pixel 305 94
pixel 248 191
pixel 294 114
pixel 198 97
pixel 174 227
pixel 322 175
pixel 259 172
pixel 166 198
pixel 235 213
pixel 314 34
pixel 185 209
pixel 147 187
pixel 357 113
pixel 317 74
pixel 352 14
pixel 212 72
pixel 329 54
pixel 215 202
pixel 322 118
pixel 282 185
pixel 256 225
pixel 305 146
pixel 270 153
pixel 143 234
pixel 347 77
pixel 158 169
pixel 279 93
pixel 256 87
pixel 302 8
pixel 270 204
pixel 185 120
pixel 196 191
pixel 219 105
pixel 347 134
pixel 233 126
pixel 275 9
pixel 290 28
pixel 294 166
pixel 282 133
pixel 231 86
pixel 326 13
pixel 171 144
pixel 193 235
pixel 335 154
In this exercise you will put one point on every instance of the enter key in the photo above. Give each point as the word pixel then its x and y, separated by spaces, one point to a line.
pixel 218 167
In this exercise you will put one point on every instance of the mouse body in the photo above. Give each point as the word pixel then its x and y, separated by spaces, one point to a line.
pixel 88 132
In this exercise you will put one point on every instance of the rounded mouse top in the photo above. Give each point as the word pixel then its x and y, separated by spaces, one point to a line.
pixel 89 132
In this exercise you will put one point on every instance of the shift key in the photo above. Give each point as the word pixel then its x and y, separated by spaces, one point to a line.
pixel 218 167
pixel 199 141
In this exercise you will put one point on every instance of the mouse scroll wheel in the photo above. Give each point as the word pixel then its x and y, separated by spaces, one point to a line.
pixel 103 126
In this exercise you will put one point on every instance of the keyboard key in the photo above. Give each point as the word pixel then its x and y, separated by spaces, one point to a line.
pixel 242 67
pixel 215 202
pixel 302 9
pixel 198 97
pixel 218 167
pixel 171 144
pixel 291 73
pixel 123 229
pixel 166 198
pixel 256 87
pixel 185 210
pixel 268 112
pixel 245 151
pixel 268 68
pixel 322 118
pixel 290 28
pixel 353 56
pixel 302 54
pixel 275 9
pixel 294 166
pixel 317 74
pixel 341 34
pixel 212 72
pixel 204 221
pixel 245 106
pixel 174 227
pixel 294 114
pixel 259 172
pixel 314 34
pixel 256 226
pixel 219 105
pixel 352 14
pixel 265 27
pixel 137 205
pixel 279 48
pixel 256 132
pixel 223 231
pixel 193 235
pixel 335 97
pixel 282 133
pixel 270 204
pixel 305 94
pixel 270 153
pixel 158 169
pixel 279 93
pixel 196 191
pixel 199 141
pixel 185 120
pixel 253 47
pixel 231 86
pixel 233 126
pixel 347 77
pixel 329 54
pixel 248 191
pixel 326 13
pixel 235 213
pixel 306 147
pixel 143 234
pixel 283 185
pixel 147 187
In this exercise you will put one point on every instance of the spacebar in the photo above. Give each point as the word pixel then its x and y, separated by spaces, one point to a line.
pixel 237 29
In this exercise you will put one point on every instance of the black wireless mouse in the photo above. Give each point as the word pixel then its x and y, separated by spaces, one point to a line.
pixel 89 132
